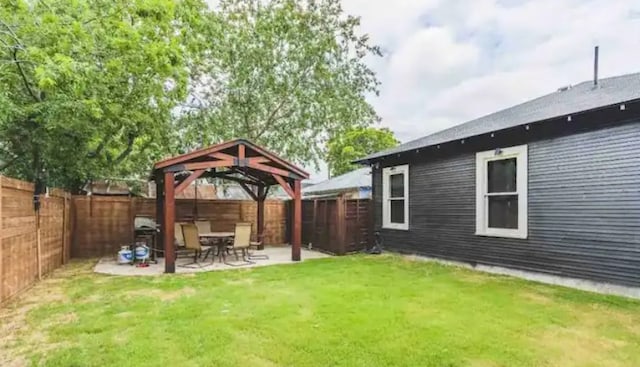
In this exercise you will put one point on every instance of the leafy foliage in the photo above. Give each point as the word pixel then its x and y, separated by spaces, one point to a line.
pixel 356 143
pixel 91 85
pixel 285 74
pixel 100 89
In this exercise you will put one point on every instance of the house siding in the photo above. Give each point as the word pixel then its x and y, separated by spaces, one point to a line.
pixel 583 214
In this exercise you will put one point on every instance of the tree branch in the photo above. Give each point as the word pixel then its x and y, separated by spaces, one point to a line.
pixel 285 98
pixel 9 163
pixel 24 77
pixel 125 153
pixel 16 47
pixel 99 149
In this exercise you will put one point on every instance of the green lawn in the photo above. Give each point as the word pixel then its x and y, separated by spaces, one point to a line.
pixel 347 311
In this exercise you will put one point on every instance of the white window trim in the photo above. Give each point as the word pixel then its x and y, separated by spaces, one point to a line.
pixel 482 218
pixel 386 208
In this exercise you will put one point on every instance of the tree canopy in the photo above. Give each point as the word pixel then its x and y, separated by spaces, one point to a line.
pixel 285 74
pixel 356 143
pixel 96 89
pixel 89 86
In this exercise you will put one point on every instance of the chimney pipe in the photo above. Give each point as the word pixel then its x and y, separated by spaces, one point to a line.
pixel 595 67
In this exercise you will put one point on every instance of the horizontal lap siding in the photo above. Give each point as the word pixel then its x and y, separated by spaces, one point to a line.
pixel 584 209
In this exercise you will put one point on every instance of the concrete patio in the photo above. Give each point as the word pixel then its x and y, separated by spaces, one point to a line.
pixel 277 255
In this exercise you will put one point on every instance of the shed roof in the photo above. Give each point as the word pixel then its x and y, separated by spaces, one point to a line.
pixel 578 98
pixel 360 177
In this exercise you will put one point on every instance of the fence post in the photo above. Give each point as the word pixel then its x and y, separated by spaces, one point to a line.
pixel 1 248
pixel 341 223
pixel 64 227
pixel 132 220
pixel 358 235
pixel 38 245
pixel 314 240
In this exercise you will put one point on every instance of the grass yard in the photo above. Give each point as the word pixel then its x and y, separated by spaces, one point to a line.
pixel 348 311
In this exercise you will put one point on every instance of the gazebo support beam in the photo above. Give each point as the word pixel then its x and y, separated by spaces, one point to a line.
pixel 284 185
pixel 159 178
pixel 260 209
pixel 200 165
pixel 272 170
pixel 168 223
pixel 297 221
pixel 187 181
pixel 226 176
pixel 248 190
pixel 241 151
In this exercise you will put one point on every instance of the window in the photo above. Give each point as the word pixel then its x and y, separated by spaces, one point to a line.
pixel 501 192
pixel 395 197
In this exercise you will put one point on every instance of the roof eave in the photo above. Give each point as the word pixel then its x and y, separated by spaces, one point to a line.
pixel 372 158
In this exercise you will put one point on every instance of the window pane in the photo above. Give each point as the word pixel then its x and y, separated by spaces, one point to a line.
pixel 397 185
pixel 397 211
pixel 503 211
pixel 501 175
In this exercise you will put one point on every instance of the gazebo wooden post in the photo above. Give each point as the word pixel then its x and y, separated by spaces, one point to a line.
pixel 296 235
pixel 168 223
pixel 260 210
pixel 159 178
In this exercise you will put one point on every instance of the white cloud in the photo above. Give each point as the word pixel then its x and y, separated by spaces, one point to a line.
pixel 433 54
pixel 450 61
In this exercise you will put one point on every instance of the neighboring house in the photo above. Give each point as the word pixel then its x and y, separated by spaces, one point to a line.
pixel 353 185
pixel 115 187
pixel 202 191
pixel 123 187
pixel 551 185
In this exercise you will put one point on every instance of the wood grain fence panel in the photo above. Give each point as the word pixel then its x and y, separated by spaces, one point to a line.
pixel 337 227
pixel 103 224
pixel 18 239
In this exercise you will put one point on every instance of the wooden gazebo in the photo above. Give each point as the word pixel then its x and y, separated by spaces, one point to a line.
pixel 252 167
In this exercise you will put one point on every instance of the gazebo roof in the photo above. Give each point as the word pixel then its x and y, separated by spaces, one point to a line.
pixel 237 160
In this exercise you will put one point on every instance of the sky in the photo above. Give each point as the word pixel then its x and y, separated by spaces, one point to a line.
pixel 449 61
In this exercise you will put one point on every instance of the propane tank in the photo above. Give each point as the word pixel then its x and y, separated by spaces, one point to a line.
pixel 125 256
pixel 142 252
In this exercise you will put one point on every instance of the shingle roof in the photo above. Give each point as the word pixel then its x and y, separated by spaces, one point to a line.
pixel 581 97
pixel 350 180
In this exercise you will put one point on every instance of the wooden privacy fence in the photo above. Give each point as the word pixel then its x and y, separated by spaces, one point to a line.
pixel 31 243
pixel 337 225
pixel 104 223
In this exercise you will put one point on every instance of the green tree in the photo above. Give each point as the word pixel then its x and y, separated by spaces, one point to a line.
pixel 89 87
pixel 356 143
pixel 286 74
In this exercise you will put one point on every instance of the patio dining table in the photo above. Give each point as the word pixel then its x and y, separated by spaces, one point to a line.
pixel 218 239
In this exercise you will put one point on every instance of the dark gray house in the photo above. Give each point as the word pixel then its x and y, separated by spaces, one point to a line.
pixel 548 186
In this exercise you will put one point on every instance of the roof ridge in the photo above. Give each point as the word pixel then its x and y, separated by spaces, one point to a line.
pixel 523 103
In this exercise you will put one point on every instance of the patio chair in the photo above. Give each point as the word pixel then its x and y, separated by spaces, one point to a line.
pixel 257 245
pixel 241 242
pixel 204 226
pixel 192 242
pixel 179 236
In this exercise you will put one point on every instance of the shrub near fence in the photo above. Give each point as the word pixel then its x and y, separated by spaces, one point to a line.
pixel 104 223
pixel 26 255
